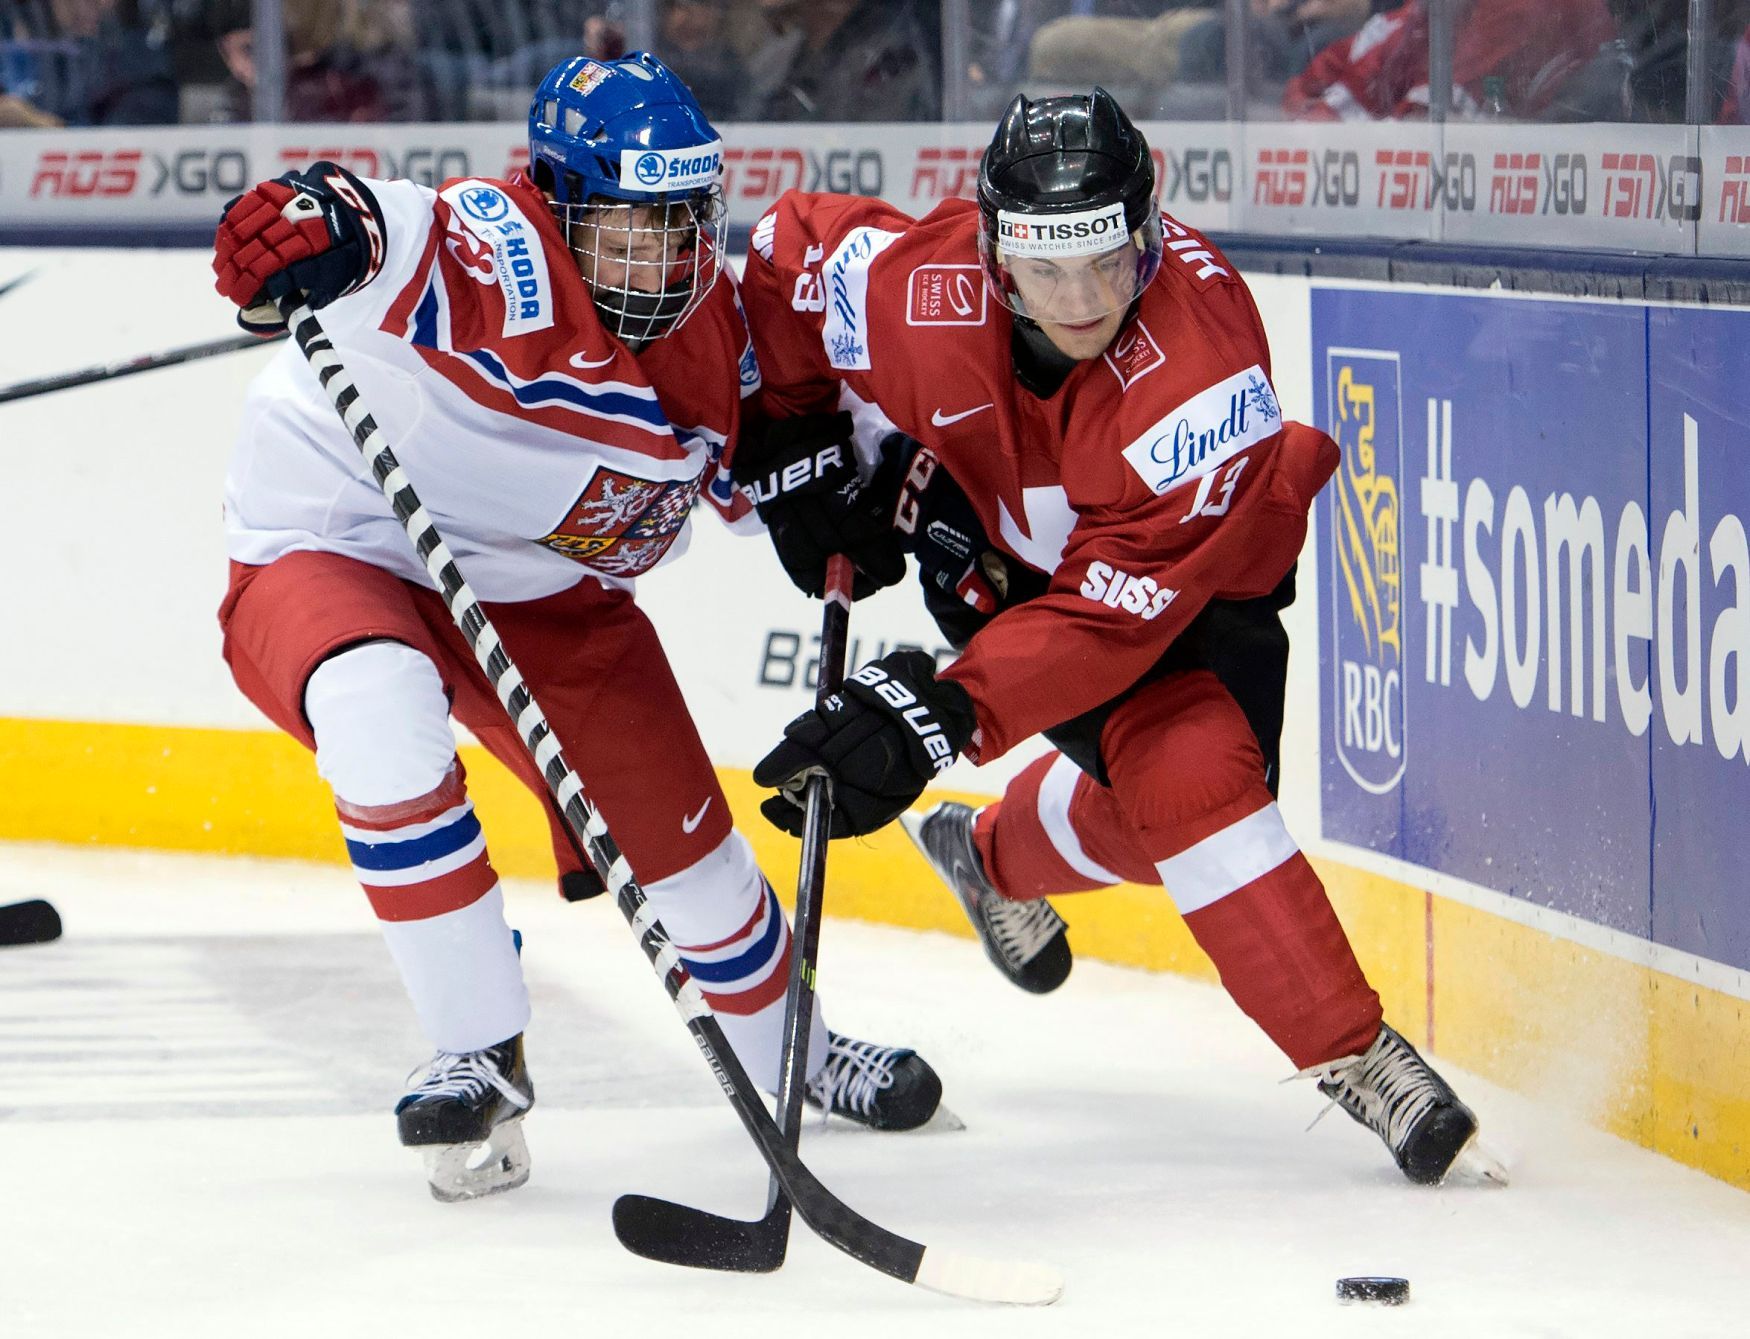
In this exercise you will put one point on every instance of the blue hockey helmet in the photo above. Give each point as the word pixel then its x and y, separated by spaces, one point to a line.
pixel 606 137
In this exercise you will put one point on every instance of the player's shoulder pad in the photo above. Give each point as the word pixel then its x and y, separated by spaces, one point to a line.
pixel 1187 256
pixel 1193 387
pixel 491 233
pixel 800 220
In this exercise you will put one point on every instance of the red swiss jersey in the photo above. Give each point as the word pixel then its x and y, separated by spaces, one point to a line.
pixel 1159 476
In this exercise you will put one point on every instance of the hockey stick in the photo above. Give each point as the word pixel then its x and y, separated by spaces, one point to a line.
pixel 32 922
pixel 126 367
pixel 839 1225
pixel 679 1234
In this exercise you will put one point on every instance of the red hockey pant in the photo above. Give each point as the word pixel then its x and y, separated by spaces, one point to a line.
pixel 1188 808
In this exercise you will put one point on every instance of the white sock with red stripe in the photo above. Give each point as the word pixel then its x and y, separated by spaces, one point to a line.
pixel 733 937
pixel 383 742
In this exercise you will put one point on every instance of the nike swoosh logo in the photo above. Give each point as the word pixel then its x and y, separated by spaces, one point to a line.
pixel 942 420
pixel 11 284
pixel 578 360
pixel 690 824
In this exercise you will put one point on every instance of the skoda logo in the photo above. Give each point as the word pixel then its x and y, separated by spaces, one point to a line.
pixel 485 204
pixel 650 169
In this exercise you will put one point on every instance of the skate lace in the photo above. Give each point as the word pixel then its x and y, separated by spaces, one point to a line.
pixel 855 1074
pixel 1387 1087
pixel 1021 929
pixel 464 1076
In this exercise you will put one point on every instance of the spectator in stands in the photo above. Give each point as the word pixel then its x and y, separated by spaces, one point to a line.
pixel 1282 39
pixel 691 40
pixel 694 43
pixel 346 60
pixel 1511 58
pixel 847 60
pixel 83 63
pixel 1735 106
pixel 1131 46
pixel 1655 39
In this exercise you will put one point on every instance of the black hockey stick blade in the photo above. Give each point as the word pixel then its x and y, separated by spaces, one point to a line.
pixel 642 1219
pixel 678 1234
pixel 32 922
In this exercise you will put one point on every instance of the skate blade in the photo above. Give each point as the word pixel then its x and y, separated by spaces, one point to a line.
pixel 458 1172
pixel 1477 1165
pixel 943 1121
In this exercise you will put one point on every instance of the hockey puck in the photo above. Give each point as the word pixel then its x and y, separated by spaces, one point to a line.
pixel 1384 1291
pixel 33 922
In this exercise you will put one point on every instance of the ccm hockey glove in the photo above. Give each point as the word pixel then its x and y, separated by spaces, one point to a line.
pixel 319 232
pixel 881 740
pixel 936 521
pixel 801 476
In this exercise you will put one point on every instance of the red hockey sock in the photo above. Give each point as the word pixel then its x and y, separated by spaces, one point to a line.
pixel 1284 958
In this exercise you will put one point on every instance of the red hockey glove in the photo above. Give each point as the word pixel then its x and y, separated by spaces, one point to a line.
pixel 881 739
pixel 319 232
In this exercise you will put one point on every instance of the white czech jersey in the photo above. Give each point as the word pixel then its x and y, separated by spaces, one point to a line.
pixel 543 449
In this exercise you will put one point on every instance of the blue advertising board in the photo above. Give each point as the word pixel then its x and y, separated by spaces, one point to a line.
pixel 1534 601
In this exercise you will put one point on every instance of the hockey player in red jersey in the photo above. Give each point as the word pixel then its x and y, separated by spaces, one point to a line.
pixel 1534 48
pixel 560 365
pixel 1107 506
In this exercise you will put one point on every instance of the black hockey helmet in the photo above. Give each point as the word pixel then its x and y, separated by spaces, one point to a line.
pixel 1066 178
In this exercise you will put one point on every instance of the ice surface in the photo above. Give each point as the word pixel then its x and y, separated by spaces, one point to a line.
pixel 197 1081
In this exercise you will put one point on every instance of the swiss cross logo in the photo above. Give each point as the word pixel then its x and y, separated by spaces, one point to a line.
pixel 621 524
pixel 946 295
pixel 1133 355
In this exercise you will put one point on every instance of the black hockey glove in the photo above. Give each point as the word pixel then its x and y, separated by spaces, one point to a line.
pixel 801 476
pixel 319 232
pixel 881 739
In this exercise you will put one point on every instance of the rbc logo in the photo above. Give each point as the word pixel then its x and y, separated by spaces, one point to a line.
pixel 485 204
pixel 1365 512
pixel 651 169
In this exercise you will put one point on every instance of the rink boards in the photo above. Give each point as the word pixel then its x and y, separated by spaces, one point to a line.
pixel 1536 859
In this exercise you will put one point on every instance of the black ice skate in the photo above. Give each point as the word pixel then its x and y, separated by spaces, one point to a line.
pixel 1027 940
pixel 1395 1093
pixel 883 1087
pixel 465 1115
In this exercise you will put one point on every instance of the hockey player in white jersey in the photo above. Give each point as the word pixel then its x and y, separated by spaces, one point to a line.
pixel 560 361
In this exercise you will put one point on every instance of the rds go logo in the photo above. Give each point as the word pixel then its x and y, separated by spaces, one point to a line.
pixel 1367 660
pixel 484 203
pixel 651 169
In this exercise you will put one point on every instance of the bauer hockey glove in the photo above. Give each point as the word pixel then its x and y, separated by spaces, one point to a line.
pixel 319 232
pixel 881 740
pixel 801 476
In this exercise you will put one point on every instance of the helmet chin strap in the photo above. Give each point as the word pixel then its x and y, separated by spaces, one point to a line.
pixel 1040 366
pixel 638 318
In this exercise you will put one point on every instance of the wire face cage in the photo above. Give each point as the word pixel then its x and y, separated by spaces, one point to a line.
pixel 649 267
